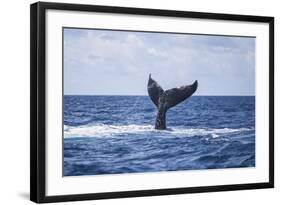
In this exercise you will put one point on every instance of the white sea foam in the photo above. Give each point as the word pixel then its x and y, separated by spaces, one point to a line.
pixel 102 130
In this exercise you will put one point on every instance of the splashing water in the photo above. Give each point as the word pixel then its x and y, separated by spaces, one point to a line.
pixel 115 134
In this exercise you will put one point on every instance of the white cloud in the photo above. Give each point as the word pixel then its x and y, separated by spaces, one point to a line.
pixel 133 40
pixel 127 58
pixel 155 52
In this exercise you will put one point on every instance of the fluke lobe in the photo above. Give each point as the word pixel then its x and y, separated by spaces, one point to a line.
pixel 164 100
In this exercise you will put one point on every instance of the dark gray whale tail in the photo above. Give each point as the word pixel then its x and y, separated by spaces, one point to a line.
pixel 164 100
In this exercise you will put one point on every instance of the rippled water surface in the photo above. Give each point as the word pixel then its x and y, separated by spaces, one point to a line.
pixel 115 134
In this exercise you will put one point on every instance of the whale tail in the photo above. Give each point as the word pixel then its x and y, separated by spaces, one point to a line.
pixel 164 100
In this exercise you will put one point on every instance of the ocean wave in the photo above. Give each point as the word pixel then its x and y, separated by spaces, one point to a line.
pixel 103 130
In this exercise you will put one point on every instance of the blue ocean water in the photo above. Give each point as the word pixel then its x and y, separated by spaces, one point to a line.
pixel 115 134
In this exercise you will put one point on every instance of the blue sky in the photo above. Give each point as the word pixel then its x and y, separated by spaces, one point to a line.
pixel 103 62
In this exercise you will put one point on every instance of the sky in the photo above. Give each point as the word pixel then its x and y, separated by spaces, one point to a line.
pixel 107 62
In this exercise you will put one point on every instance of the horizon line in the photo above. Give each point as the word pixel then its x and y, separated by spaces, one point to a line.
pixel 148 96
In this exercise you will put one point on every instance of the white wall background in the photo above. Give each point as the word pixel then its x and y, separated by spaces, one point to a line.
pixel 14 103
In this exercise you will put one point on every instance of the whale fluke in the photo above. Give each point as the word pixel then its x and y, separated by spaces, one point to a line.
pixel 164 100
pixel 154 90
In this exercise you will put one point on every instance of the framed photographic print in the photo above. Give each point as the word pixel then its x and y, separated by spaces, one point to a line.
pixel 129 102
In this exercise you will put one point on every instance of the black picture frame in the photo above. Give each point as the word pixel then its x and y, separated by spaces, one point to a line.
pixel 38 101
